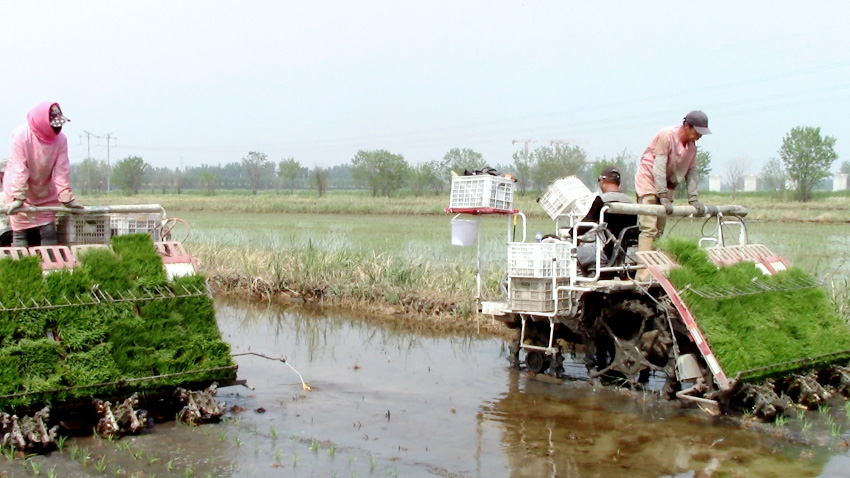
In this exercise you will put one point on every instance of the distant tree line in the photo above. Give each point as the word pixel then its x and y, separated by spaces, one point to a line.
pixel 806 159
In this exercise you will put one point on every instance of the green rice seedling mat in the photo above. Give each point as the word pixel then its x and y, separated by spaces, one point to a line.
pixel 115 325
pixel 759 325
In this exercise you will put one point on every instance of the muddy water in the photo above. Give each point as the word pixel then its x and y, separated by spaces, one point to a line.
pixel 392 403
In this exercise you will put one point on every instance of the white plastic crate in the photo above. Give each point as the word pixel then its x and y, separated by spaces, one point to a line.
pixel 535 295
pixel 83 229
pixel 539 259
pixel 482 191
pixel 136 223
pixel 566 196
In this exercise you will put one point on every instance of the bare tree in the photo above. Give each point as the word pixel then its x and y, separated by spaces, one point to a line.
pixel 209 179
pixel 735 173
pixel 773 176
pixel 320 180
pixel 255 163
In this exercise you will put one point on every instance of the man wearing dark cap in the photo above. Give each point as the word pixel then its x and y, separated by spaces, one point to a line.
pixel 669 160
pixel 609 185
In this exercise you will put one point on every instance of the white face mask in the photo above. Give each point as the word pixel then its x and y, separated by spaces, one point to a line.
pixel 56 117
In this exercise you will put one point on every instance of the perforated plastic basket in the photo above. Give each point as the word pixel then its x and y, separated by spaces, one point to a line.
pixel 566 196
pixel 535 295
pixel 539 259
pixel 135 223
pixel 83 229
pixel 482 192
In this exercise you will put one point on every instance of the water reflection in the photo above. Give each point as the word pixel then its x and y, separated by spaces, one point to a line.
pixel 575 431
pixel 475 417
pixel 390 402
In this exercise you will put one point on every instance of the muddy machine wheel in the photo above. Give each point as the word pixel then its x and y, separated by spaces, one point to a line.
pixel 631 341
pixel 536 361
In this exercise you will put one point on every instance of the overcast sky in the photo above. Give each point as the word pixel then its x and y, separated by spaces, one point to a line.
pixel 190 83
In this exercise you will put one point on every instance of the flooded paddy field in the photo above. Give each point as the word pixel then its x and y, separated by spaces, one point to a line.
pixel 388 402
pixel 819 249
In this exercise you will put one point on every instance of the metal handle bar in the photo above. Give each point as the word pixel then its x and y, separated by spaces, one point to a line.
pixel 140 208
pixel 678 211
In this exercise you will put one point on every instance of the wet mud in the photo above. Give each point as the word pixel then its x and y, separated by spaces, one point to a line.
pixel 387 402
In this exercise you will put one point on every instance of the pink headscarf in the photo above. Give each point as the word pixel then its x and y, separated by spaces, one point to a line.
pixel 38 120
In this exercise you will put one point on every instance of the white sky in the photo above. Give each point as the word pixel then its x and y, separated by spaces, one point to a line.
pixel 185 82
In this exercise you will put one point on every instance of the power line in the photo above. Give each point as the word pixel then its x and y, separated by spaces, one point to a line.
pixel 109 137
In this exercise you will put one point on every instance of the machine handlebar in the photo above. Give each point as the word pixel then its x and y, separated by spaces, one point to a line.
pixel 678 211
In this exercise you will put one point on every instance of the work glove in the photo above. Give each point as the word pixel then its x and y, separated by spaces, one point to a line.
pixel 700 207
pixel 72 205
pixel 668 205
pixel 14 206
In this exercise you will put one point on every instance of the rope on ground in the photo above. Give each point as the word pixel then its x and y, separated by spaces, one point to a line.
pixel 278 359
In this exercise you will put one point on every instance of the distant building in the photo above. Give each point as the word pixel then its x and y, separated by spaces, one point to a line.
pixel 715 183
pixel 790 184
pixel 750 183
pixel 840 182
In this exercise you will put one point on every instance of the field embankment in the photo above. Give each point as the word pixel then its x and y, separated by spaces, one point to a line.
pixel 832 208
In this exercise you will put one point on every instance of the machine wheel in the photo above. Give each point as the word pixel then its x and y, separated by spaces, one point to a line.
pixel 536 361
pixel 638 342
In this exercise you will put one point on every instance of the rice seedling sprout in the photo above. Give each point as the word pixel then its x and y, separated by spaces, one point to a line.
pixel 60 443
pixel 100 465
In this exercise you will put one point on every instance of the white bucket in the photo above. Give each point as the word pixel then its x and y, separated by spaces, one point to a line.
pixel 464 232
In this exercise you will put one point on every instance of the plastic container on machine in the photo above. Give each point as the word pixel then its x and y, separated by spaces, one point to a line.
pixel 482 192
pixel 539 259
pixel 464 232
pixel 536 294
pixel 566 196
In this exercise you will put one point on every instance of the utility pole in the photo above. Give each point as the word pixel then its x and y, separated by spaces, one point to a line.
pixel 525 143
pixel 524 172
pixel 89 136
pixel 109 138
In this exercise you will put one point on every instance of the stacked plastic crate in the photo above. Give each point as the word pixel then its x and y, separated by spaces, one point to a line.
pixel 482 194
pixel 535 269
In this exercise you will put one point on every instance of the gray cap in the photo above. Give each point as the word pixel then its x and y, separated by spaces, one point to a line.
pixel 699 121
pixel 611 173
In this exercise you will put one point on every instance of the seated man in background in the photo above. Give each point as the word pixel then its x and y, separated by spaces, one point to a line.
pixel 609 187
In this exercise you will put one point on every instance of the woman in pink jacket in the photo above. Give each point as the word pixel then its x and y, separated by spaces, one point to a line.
pixel 38 174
